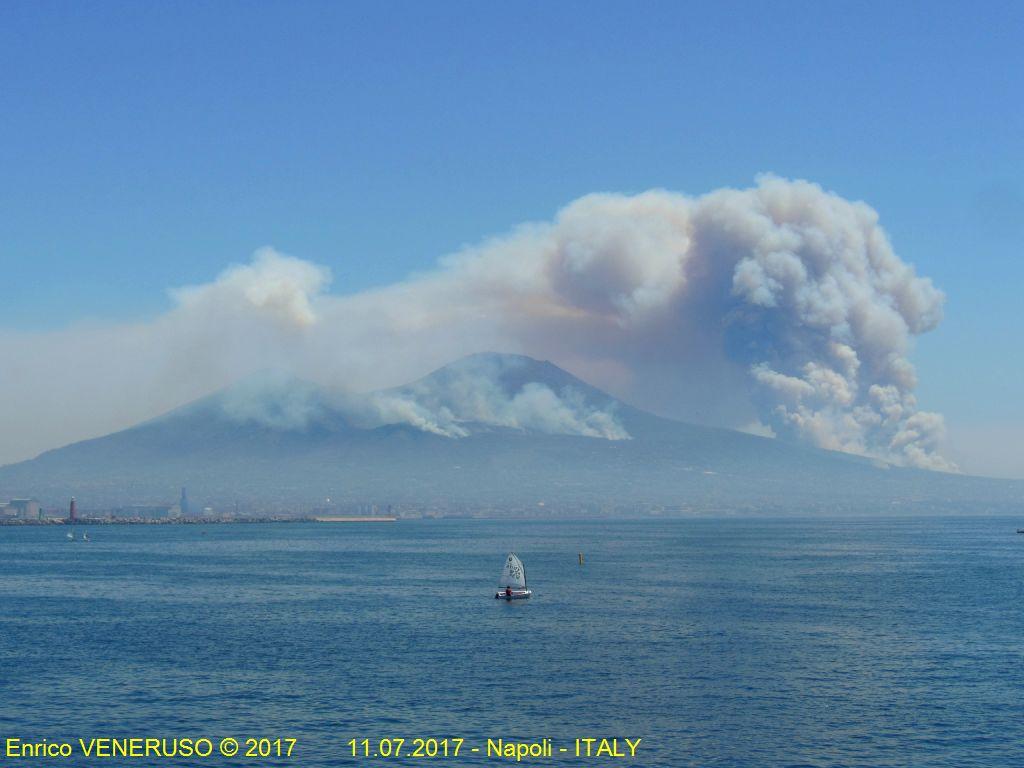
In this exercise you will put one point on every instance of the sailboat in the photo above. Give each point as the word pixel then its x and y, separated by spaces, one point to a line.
pixel 85 537
pixel 513 580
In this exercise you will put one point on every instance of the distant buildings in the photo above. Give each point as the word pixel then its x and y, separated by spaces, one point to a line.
pixel 20 509
pixel 133 511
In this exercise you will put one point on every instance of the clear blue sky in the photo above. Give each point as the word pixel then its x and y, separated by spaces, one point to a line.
pixel 146 145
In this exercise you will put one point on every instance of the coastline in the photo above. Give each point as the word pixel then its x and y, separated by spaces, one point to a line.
pixel 201 520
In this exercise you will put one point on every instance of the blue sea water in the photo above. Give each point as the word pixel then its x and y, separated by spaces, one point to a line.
pixel 719 642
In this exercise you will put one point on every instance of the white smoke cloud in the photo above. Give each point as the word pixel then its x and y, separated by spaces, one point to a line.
pixel 535 408
pixel 780 305
pixel 279 289
pixel 475 391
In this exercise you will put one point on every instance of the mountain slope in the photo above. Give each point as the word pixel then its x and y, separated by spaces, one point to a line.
pixel 488 430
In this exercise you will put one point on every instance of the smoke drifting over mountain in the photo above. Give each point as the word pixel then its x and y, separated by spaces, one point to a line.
pixel 781 305
pixel 475 390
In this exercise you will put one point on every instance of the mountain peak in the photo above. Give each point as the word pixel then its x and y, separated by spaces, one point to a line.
pixel 505 391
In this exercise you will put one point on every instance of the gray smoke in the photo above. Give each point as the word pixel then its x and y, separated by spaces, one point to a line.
pixel 274 399
pixel 781 304
pixel 780 307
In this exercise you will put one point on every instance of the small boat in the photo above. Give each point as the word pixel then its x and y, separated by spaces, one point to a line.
pixel 70 536
pixel 85 537
pixel 513 580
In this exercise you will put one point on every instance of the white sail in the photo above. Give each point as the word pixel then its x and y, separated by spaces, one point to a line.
pixel 513 574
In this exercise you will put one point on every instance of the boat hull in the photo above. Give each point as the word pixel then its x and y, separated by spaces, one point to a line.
pixel 517 594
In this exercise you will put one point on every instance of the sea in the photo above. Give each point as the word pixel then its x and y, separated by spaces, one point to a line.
pixel 717 642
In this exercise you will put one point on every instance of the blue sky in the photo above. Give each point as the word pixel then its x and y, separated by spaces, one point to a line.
pixel 147 145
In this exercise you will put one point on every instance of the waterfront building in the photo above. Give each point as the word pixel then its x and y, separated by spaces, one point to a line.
pixel 21 509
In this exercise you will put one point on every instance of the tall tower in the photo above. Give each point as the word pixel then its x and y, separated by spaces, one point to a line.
pixel 183 503
pixel 72 511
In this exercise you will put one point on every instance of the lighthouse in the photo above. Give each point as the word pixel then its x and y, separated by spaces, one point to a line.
pixel 72 511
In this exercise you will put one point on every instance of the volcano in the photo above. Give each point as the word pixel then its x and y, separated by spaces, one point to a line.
pixel 488 432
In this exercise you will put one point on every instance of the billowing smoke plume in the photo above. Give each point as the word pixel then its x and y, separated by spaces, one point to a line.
pixel 781 306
